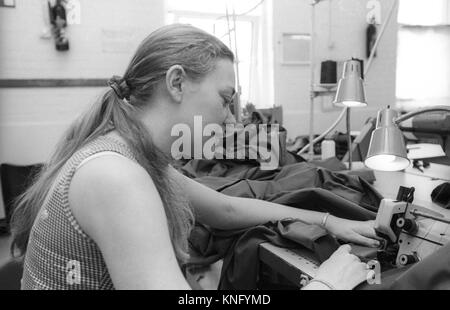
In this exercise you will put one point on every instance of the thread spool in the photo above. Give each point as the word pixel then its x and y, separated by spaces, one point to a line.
pixel 328 148
pixel 408 259
pixel 328 72
pixel 407 225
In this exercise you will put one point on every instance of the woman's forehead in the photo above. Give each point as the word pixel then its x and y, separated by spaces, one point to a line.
pixel 224 74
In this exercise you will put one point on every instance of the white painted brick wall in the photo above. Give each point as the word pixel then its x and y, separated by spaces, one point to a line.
pixel 348 20
pixel 33 119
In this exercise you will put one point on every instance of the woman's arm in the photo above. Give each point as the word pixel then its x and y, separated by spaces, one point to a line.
pixel 116 203
pixel 226 212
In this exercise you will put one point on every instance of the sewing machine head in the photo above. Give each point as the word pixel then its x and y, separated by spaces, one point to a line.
pixel 410 232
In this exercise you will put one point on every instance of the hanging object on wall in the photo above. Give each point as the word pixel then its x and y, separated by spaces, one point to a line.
pixel 328 72
pixel 371 38
pixel 8 3
pixel 373 18
pixel 58 19
pixel 374 14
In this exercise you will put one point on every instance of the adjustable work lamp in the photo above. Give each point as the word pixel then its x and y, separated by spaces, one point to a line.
pixel 350 93
pixel 387 149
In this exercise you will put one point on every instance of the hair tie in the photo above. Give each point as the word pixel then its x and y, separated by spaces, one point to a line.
pixel 120 87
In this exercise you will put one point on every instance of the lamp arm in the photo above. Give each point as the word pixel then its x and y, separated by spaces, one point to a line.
pixel 326 132
pixel 437 108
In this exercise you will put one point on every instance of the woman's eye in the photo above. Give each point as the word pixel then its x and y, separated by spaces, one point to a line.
pixel 226 101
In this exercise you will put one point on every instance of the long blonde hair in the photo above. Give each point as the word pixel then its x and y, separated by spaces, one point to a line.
pixel 197 52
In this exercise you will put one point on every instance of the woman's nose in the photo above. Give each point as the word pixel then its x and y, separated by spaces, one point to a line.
pixel 229 118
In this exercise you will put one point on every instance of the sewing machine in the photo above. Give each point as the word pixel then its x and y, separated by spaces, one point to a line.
pixel 410 232
pixel 430 128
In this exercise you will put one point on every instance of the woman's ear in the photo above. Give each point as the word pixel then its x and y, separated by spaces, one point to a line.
pixel 175 79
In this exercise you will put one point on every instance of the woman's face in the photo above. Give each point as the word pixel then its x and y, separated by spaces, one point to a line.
pixel 210 97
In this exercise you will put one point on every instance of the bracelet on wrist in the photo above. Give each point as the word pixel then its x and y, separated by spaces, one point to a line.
pixel 324 220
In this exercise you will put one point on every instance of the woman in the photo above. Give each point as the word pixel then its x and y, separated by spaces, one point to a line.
pixel 109 212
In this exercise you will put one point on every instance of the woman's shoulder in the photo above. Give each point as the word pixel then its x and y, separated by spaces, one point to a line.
pixel 108 186
pixel 109 172
pixel 103 181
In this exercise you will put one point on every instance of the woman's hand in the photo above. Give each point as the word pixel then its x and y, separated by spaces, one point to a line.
pixel 353 231
pixel 342 271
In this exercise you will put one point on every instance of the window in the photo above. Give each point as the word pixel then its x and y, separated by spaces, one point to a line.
pixel 244 41
pixel 296 48
pixel 423 64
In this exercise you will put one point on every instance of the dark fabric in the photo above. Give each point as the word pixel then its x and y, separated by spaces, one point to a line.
pixel 10 275
pixel 320 186
pixel 299 185
pixel 241 141
pixel 239 248
pixel 221 168
pixel 441 195
pixel 15 179
pixel 240 268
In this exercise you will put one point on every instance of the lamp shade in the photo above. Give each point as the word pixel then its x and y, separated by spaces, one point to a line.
pixel 387 150
pixel 350 90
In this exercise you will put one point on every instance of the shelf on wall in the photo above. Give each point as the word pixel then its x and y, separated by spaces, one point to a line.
pixel 319 89
pixel 28 83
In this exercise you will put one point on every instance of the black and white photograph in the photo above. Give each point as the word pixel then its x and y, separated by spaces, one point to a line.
pixel 226 151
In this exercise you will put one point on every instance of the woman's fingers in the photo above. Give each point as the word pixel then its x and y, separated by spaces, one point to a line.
pixel 360 239
pixel 368 230
pixel 369 233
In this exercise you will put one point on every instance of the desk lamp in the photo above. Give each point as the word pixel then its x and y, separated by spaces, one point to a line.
pixel 387 149
pixel 350 93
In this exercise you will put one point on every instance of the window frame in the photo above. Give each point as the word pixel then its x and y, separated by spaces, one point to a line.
pixel 174 16
pixel 413 102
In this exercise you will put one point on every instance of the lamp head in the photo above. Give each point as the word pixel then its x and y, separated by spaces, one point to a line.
pixel 350 91
pixel 387 150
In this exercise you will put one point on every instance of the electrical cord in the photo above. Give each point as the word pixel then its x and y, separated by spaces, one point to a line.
pixel 323 135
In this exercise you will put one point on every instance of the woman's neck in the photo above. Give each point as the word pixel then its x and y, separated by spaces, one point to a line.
pixel 159 130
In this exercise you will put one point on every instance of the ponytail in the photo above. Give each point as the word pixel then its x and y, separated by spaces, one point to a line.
pixel 109 113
